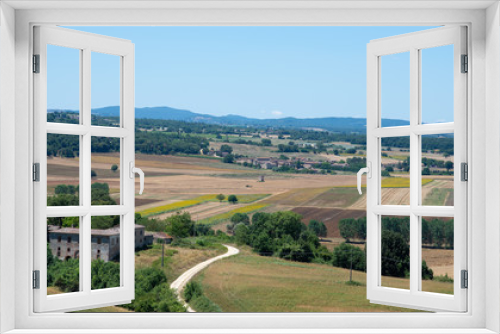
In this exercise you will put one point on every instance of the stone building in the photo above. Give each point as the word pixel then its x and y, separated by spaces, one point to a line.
pixel 65 242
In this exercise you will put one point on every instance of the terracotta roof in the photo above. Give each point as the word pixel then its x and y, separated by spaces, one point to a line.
pixel 159 235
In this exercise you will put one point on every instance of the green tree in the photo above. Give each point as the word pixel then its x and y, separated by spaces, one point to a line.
pixel 192 290
pixel 232 199
pixel 266 142
pixel 228 159
pixel 343 254
pixel 263 244
pixel 427 272
pixel 226 148
pixel 93 173
pixel 395 254
pixel 181 225
pixel 347 229
pixel 241 234
pixel 318 228
pixel 114 167
pixel 240 218
pixel 426 171
pixel 220 197
pixel 448 165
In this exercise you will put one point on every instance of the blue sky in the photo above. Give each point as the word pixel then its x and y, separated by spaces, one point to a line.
pixel 259 72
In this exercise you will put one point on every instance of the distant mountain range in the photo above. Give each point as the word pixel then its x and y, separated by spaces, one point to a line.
pixel 324 123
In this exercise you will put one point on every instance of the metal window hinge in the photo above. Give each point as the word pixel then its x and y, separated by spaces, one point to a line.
pixel 465 64
pixel 465 279
pixel 464 171
pixel 36 279
pixel 36 63
pixel 36 172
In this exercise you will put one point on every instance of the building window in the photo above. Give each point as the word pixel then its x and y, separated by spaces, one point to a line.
pixel 99 241
pixel 69 239
pixel 58 251
pixel 58 238
pixel 98 254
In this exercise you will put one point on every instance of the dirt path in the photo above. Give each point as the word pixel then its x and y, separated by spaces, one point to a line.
pixel 179 284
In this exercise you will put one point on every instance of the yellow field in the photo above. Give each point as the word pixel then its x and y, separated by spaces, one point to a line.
pixel 224 216
pixel 246 198
pixel 400 182
pixel 396 182
pixel 177 205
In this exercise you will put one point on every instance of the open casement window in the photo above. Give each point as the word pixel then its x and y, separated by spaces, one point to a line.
pixel 417 210
pixel 66 229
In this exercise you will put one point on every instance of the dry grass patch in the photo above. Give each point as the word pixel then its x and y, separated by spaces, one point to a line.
pixel 252 283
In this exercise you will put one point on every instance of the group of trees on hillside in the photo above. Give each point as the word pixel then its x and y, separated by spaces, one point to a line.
pixel 436 232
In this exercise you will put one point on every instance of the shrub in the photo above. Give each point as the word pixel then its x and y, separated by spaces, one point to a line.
pixel 192 290
pixel 343 254
pixel 232 199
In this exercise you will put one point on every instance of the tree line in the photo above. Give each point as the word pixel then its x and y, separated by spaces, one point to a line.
pixel 436 232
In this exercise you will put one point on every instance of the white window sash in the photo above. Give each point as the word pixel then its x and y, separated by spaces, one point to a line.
pixel 415 298
pixel 87 43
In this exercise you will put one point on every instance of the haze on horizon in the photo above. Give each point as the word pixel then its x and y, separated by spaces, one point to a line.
pixel 255 72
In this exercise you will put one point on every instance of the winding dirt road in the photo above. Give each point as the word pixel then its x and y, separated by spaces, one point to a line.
pixel 179 284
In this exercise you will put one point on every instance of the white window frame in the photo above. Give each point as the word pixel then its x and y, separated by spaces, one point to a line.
pixel 413 43
pixel 86 44
pixel 482 19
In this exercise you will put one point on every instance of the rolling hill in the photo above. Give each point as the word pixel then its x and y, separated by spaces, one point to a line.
pixel 168 113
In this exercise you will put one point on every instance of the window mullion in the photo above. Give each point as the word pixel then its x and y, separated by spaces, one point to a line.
pixel 414 169
pixel 85 177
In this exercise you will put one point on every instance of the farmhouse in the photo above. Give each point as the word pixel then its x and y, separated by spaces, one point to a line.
pixel 65 242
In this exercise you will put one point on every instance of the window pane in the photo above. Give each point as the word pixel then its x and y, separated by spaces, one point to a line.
pixel 106 171
pixel 63 170
pixel 437 84
pixel 437 254
pixel 63 255
pixel 437 170
pixel 63 84
pixel 395 89
pixel 106 88
pixel 105 245
pixel 395 171
pixel 395 256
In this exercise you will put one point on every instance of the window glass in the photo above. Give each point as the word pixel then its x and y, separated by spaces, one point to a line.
pixel 395 89
pixel 438 170
pixel 63 255
pixel 63 75
pixel 437 84
pixel 105 265
pixel 106 89
pixel 395 171
pixel 63 170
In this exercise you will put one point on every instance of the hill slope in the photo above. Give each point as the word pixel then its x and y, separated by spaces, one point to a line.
pixel 325 123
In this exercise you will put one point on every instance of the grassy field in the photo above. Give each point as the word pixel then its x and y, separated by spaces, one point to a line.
pixel 252 283
pixel 438 196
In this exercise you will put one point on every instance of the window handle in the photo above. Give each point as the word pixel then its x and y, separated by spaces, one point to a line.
pixel 368 172
pixel 134 170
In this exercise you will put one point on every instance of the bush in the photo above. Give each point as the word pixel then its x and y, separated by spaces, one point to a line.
pixel 427 272
pixel 114 167
pixel 395 255
pixel 232 199
pixel 203 304
pixel 343 254
pixel 192 290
